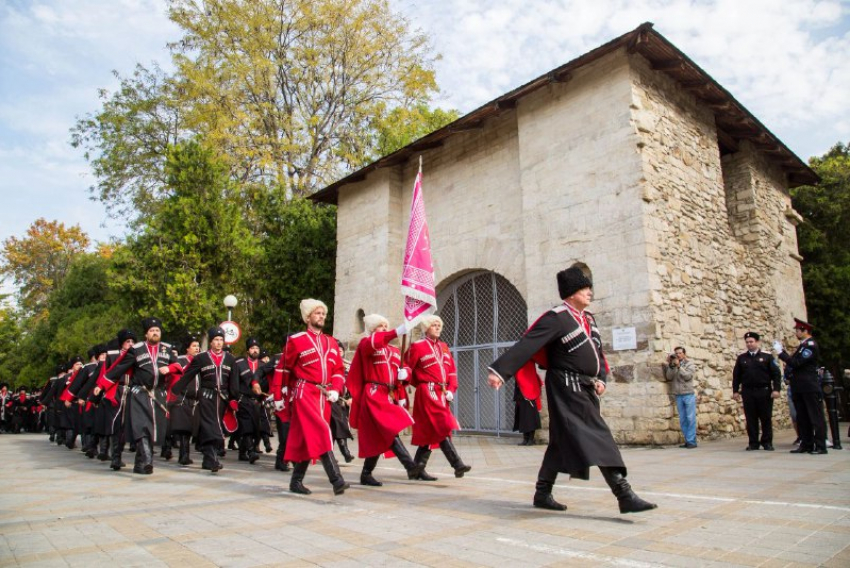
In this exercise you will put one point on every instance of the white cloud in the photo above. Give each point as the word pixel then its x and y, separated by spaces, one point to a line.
pixel 788 62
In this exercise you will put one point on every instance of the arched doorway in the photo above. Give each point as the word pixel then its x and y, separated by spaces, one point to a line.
pixel 483 315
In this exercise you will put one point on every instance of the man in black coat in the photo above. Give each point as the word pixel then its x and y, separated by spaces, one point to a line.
pixel 151 361
pixel 566 342
pixel 757 380
pixel 249 401
pixel 218 388
pixel 805 389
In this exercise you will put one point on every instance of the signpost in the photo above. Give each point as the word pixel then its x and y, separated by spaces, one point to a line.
pixel 232 332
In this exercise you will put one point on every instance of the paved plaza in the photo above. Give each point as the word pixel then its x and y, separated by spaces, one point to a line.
pixel 718 506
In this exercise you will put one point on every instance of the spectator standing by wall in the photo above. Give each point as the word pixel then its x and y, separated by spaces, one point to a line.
pixel 679 371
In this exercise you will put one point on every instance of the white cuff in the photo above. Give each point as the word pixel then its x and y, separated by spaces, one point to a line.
pixel 402 374
pixel 333 396
pixel 450 396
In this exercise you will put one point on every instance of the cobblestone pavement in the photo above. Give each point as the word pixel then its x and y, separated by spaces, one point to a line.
pixel 718 506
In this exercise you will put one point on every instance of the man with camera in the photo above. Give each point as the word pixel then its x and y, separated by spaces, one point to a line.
pixel 757 380
pixel 679 372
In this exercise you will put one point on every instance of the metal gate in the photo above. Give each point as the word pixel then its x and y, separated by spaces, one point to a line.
pixel 483 315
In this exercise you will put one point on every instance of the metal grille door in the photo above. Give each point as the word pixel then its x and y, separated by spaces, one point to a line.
pixel 483 315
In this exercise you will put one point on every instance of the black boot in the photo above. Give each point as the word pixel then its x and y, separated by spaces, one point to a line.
pixel 210 462
pixel 453 457
pixel 628 501
pixel 71 440
pixel 296 482
pixel 413 468
pixel 185 448
pixel 117 448
pixel 144 456
pixel 280 464
pixel 334 475
pixel 231 444
pixel 423 453
pixel 246 449
pixel 267 443
pixel 343 447
pixel 166 449
pixel 366 475
pixel 103 452
pixel 543 490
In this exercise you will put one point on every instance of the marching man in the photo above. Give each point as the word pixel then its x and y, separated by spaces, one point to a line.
pixel 372 380
pixel 432 373
pixel 575 379
pixel 311 371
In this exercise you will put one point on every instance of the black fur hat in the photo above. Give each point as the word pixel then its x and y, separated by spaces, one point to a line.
pixel 571 281
pixel 124 335
pixel 148 323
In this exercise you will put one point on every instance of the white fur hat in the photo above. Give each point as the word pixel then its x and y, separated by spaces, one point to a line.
pixel 372 321
pixel 428 320
pixel 309 306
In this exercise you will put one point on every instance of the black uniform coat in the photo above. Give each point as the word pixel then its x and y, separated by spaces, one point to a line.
pixel 249 411
pixel 804 366
pixel 147 388
pixel 183 415
pixel 759 371
pixel 81 389
pixel 109 417
pixel 578 436
pixel 217 385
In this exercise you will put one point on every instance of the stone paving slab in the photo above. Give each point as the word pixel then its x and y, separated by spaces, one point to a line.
pixel 718 506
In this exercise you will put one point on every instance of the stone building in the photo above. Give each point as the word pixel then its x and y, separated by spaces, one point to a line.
pixel 629 161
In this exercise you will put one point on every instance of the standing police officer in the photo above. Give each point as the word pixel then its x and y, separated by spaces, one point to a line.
pixel 808 399
pixel 757 379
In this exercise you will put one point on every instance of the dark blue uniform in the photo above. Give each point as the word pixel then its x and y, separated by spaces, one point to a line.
pixel 807 396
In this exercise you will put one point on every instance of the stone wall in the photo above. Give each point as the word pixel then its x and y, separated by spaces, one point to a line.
pixel 723 256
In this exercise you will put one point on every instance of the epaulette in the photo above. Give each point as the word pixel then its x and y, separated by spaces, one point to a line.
pixel 138 345
pixel 559 308
pixel 164 344
pixel 114 352
pixel 240 359
pixel 299 334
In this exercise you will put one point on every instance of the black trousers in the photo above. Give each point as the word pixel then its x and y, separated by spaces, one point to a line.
pixel 758 409
pixel 810 421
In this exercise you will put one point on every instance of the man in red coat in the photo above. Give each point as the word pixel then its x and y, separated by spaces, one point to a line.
pixel 433 375
pixel 312 372
pixel 372 380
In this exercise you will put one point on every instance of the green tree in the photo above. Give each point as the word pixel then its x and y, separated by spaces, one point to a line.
pixel 39 261
pixel 11 336
pixel 192 252
pixel 298 261
pixel 288 90
pixel 824 243
pixel 126 140
pixel 403 125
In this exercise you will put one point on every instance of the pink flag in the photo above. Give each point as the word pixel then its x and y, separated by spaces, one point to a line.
pixel 417 276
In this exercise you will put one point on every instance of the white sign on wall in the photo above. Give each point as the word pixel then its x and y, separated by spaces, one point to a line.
pixel 625 338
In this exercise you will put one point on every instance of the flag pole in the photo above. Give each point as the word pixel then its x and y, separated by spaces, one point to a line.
pixel 404 342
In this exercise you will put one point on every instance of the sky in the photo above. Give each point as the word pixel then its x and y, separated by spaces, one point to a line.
pixel 787 61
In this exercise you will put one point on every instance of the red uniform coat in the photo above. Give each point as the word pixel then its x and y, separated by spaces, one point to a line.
pixel 311 365
pixel 276 386
pixel 432 373
pixel 372 382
